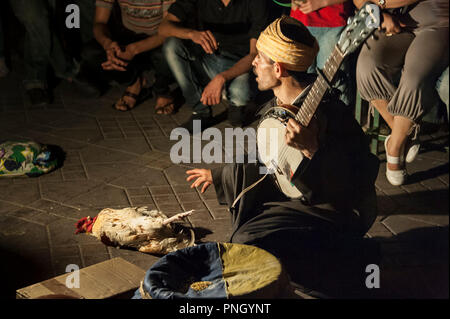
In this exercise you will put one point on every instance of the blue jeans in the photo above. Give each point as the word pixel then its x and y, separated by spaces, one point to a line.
pixel 42 47
pixel 193 69
pixel 327 39
pixel 435 113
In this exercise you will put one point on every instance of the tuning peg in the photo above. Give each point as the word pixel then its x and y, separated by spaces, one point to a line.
pixel 349 20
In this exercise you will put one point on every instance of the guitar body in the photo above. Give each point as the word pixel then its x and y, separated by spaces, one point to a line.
pixel 281 159
pixel 271 144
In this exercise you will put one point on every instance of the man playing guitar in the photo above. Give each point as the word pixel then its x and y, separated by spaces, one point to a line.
pixel 336 177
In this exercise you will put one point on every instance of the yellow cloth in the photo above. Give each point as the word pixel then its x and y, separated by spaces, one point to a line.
pixel 251 272
pixel 295 56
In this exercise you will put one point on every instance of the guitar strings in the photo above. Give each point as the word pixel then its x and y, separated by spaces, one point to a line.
pixel 282 159
pixel 285 148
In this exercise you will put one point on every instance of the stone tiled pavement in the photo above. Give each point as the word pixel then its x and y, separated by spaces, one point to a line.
pixel 117 159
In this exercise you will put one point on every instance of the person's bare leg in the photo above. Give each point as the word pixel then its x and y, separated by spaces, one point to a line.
pixel 381 106
pixel 399 136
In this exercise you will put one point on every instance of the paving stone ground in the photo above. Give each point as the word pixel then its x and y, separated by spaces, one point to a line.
pixel 116 160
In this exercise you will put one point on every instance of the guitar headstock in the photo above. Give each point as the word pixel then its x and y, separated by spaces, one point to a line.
pixel 359 28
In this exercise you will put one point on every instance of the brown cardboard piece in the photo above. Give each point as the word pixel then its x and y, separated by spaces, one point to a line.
pixel 109 279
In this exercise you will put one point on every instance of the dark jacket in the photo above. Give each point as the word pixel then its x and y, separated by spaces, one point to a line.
pixel 342 173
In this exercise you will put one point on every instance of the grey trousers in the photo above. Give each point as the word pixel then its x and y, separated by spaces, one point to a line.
pixel 404 68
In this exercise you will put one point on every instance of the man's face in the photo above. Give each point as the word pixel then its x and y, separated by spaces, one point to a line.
pixel 263 68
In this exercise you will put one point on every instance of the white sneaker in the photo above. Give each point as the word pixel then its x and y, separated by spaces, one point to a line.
pixel 3 68
pixel 395 177
pixel 412 152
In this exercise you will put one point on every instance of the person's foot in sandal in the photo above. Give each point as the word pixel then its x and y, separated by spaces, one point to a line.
pixel 165 105
pixel 131 96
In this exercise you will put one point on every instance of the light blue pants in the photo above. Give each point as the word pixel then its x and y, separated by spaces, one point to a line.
pixel 327 39
pixel 192 69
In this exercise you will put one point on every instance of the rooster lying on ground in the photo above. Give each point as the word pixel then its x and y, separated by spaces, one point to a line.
pixel 138 228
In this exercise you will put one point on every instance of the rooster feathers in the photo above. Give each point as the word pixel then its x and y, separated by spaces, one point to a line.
pixel 149 231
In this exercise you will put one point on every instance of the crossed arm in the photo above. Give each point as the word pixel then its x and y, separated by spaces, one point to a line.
pixel 308 6
pixel 390 25
pixel 390 4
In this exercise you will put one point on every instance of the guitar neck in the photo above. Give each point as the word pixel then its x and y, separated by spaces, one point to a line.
pixel 319 87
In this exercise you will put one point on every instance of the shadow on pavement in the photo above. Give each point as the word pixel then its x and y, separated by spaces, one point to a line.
pixel 340 271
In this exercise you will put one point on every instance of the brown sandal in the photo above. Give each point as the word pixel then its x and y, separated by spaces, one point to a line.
pixel 124 103
pixel 166 109
pixel 139 98
pixel 143 94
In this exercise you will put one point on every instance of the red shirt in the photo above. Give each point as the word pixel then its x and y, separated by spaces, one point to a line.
pixel 334 15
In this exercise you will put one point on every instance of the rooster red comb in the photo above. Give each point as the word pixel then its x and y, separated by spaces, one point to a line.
pixel 85 224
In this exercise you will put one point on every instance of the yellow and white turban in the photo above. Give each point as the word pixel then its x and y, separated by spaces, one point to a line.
pixel 295 56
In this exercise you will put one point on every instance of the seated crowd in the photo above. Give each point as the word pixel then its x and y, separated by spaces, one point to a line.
pixel 206 48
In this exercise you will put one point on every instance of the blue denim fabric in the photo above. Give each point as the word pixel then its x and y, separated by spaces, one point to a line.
pixel 42 47
pixel 327 39
pixel 193 69
pixel 435 113
pixel 171 276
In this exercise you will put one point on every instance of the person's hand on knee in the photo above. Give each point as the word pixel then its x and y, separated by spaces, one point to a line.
pixel 391 25
pixel 205 39
pixel 212 94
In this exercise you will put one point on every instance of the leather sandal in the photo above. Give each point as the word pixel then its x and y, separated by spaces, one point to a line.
pixel 139 98
pixel 122 102
pixel 166 109
pixel 395 177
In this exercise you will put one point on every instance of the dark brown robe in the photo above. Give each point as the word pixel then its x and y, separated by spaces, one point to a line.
pixel 337 186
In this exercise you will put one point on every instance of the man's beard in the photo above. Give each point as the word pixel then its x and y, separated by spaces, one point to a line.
pixel 264 85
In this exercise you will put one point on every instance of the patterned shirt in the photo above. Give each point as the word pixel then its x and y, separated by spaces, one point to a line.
pixel 140 16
